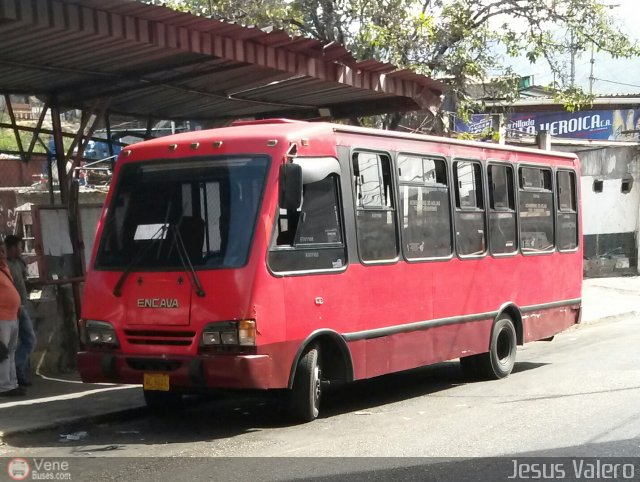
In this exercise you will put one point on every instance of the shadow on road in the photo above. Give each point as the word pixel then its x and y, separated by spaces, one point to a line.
pixel 575 463
pixel 226 415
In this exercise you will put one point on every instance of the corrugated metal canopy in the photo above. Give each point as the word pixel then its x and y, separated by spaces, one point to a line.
pixel 155 62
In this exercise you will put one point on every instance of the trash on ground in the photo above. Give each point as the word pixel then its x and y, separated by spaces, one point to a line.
pixel 68 437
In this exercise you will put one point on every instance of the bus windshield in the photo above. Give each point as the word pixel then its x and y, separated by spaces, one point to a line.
pixel 209 206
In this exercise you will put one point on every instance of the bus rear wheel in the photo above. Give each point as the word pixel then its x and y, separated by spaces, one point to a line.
pixel 500 360
pixel 159 402
pixel 304 398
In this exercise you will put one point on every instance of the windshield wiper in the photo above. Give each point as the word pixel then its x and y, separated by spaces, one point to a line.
pixel 188 267
pixel 117 289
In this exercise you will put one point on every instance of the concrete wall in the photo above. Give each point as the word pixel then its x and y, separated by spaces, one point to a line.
pixel 611 218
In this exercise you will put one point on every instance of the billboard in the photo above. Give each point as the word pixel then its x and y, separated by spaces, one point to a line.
pixel 618 125
pixel 477 124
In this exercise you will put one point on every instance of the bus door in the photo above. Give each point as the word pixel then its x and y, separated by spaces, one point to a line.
pixel 308 242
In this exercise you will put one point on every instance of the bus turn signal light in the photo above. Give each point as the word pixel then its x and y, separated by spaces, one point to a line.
pixel 247 332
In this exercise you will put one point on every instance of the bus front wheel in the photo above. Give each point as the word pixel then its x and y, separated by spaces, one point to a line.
pixel 304 399
pixel 501 358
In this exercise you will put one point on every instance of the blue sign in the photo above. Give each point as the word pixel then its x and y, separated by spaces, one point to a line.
pixel 478 124
pixel 619 125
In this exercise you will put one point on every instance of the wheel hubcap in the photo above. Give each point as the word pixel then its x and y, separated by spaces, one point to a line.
pixel 316 385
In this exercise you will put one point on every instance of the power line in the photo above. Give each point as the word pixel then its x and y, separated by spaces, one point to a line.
pixel 614 82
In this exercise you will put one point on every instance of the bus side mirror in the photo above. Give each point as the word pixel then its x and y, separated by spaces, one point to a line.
pixel 290 197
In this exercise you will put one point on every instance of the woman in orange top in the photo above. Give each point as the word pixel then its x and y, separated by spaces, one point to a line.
pixel 9 305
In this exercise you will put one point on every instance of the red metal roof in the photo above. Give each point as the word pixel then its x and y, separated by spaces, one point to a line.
pixel 153 61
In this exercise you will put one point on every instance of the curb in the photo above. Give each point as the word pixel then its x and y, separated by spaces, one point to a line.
pixel 616 317
pixel 114 415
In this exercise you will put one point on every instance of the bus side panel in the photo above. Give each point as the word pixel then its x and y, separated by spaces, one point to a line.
pixel 546 323
pixel 418 348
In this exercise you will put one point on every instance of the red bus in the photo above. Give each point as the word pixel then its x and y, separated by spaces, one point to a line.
pixel 282 254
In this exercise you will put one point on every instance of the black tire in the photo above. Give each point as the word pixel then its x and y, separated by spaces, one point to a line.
pixel 304 398
pixel 501 358
pixel 160 403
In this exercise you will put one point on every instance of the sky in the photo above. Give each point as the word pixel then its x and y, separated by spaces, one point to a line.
pixel 614 76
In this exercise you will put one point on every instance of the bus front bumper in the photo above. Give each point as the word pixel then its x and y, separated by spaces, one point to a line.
pixel 197 373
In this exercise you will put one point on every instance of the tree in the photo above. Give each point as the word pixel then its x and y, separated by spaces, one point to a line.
pixel 462 42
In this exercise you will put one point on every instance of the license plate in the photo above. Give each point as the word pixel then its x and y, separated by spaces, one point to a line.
pixel 156 381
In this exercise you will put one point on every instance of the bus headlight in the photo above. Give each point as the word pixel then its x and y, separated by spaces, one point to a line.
pixel 229 333
pixel 211 338
pixel 100 333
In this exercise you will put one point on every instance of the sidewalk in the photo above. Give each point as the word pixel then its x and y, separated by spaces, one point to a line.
pixel 53 402
pixel 57 402
pixel 610 298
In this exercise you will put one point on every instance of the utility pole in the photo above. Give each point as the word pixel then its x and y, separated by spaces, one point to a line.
pixel 573 60
pixel 591 77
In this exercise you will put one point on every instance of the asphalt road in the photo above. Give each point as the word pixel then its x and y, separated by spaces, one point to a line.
pixel 577 396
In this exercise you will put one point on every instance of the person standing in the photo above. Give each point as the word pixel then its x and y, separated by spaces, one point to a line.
pixel 9 306
pixel 26 333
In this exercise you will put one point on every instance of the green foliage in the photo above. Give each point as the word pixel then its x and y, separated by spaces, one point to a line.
pixel 463 42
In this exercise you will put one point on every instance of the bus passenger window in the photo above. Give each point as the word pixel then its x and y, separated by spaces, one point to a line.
pixel 375 213
pixel 425 207
pixel 502 213
pixel 470 216
pixel 310 238
pixel 535 208
pixel 567 211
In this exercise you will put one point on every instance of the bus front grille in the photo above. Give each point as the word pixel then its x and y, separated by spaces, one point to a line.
pixel 153 364
pixel 151 337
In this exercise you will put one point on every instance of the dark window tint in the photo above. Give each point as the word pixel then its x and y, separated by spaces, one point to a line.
pixel 319 221
pixel 375 216
pixel 566 191
pixel 535 178
pixel 567 224
pixel 470 216
pixel 536 210
pixel 424 204
pixel 501 187
pixel 502 214
pixel 468 185
pixel 310 238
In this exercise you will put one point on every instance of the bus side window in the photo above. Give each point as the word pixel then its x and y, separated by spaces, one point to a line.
pixel 470 215
pixel 425 207
pixel 502 210
pixel 319 222
pixel 567 210
pixel 535 209
pixel 375 207
pixel 310 238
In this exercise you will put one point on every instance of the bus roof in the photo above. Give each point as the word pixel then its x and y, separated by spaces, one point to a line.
pixel 279 128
